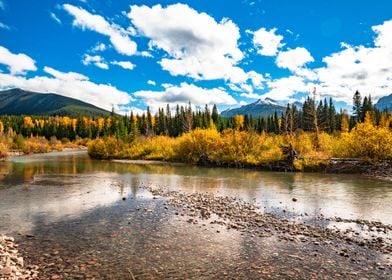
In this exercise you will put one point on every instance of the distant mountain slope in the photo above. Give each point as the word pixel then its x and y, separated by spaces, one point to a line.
pixel 385 103
pixel 260 108
pixel 19 102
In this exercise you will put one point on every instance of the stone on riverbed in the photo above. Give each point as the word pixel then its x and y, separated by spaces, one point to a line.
pixel 11 264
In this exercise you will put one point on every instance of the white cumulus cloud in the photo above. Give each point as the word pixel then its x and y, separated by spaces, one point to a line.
pixel 151 82
pixel 266 41
pixel 293 59
pixel 146 54
pixel 69 84
pixel 96 60
pixel 283 89
pixel 119 37
pixel 364 68
pixel 257 79
pixel 100 47
pixel 252 95
pixel 16 63
pixel 124 64
pixel 197 46
pixel 183 94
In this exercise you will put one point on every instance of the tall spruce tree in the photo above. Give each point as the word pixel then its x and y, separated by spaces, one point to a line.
pixel 357 106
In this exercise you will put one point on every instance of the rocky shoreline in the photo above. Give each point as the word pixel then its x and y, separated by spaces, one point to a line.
pixel 12 264
pixel 358 247
pixel 238 214
pixel 362 252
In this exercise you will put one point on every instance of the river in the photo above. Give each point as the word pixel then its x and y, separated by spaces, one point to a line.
pixel 80 217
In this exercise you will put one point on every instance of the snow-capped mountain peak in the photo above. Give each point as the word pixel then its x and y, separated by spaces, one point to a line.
pixel 267 101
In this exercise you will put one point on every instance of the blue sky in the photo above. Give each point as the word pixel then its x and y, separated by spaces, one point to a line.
pixel 133 54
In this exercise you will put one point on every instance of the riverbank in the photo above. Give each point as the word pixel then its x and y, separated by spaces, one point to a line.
pixel 238 214
pixel 148 162
pixel 235 214
pixel 12 265
pixel 381 170
pixel 177 234
pixel 20 153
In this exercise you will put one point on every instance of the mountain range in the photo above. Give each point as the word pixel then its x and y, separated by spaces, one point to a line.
pixel 20 102
pixel 385 103
pixel 260 108
pixel 266 107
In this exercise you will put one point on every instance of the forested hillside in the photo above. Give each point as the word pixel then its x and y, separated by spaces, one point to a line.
pixel 20 102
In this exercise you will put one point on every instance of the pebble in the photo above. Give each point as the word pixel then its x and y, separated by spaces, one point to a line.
pixel 11 264
pixel 237 214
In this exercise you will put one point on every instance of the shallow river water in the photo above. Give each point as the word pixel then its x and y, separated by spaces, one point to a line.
pixel 82 218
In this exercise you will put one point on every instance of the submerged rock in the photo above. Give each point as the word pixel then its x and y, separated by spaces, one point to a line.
pixel 11 264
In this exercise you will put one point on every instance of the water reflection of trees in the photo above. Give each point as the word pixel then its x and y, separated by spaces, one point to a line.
pixel 317 193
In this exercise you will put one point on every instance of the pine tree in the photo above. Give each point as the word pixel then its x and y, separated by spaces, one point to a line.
pixel 188 118
pixel 357 106
pixel 331 116
pixel 367 106
pixel 310 118
pixel 215 115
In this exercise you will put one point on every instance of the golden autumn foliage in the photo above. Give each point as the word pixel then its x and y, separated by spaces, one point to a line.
pixel 28 122
pixel 232 146
pixel 193 144
pixel 3 151
pixel 248 147
pixel 239 121
pixel 366 141
pixel 155 148
pixel 29 145
pixel 107 148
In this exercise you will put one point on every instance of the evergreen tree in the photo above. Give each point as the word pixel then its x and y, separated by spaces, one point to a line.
pixel 188 119
pixel 357 106
pixel 331 116
pixel 367 106
pixel 215 115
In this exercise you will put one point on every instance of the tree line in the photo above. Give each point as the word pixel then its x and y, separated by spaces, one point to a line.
pixel 313 116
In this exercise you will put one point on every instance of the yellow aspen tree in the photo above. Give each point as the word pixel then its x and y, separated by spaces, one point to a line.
pixel 344 126
pixel 100 122
pixel 28 122
pixel 66 121
pixel 384 121
pixel 108 123
pixel 368 118
pixel 74 124
pixel 239 121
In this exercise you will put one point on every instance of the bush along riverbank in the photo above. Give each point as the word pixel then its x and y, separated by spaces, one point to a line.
pixel 365 148
pixel 19 145
pixel 11 263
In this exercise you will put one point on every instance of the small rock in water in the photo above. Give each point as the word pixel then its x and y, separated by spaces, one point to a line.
pixel 6 271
